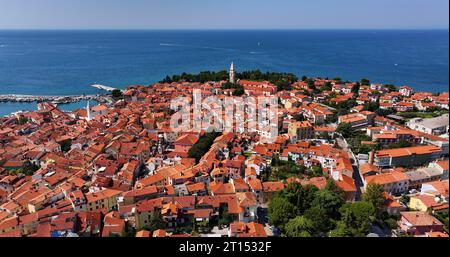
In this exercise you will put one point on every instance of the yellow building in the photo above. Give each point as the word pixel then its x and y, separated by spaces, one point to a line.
pixel 105 199
pixel 301 130
pixel 144 211
pixel 423 202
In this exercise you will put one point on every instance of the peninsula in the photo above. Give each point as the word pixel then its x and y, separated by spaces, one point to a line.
pixel 351 158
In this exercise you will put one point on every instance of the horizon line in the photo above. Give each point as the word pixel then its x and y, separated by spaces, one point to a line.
pixel 211 29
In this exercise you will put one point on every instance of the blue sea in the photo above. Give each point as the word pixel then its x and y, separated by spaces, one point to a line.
pixel 68 62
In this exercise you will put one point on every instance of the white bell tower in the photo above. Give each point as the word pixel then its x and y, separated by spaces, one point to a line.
pixel 88 110
pixel 232 74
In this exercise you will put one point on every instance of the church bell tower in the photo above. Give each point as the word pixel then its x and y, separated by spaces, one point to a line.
pixel 232 74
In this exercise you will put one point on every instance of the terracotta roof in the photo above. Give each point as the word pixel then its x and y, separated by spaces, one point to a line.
pixel 387 178
pixel 143 233
pixel 273 186
pixel 418 218
pixel 102 194
pixel 419 150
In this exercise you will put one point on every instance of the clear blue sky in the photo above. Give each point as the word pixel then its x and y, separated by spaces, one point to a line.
pixel 223 14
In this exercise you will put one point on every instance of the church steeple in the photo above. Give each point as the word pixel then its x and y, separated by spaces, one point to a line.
pixel 88 110
pixel 232 74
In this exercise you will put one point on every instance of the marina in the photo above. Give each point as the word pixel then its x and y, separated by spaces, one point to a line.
pixel 53 99
pixel 58 99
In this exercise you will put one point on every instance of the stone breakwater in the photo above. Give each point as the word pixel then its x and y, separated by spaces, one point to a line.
pixel 53 99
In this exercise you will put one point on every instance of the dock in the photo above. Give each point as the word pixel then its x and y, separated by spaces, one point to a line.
pixel 106 88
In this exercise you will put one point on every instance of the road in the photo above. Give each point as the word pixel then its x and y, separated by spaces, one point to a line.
pixel 356 175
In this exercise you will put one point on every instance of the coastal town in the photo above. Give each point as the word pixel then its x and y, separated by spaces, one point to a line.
pixel 351 159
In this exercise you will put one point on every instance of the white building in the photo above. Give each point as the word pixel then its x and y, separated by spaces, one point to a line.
pixel 434 126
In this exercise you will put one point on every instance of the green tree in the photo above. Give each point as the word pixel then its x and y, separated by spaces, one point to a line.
pixel 311 84
pixel 400 144
pixel 355 88
pixel 315 171
pixel 443 217
pixel 365 82
pixel 66 145
pixel 300 196
pixel 202 146
pixel 372 106
pixel 22 120
pixel 285 169
pixel 345 129
pixel 117 94
pixel 299 227
pixel 391 88
pixel 384 112
pixel 129 231
pixel 332 118
pixel 320 221
pixel 341 230
pixel 357 217
pixel 329 201
pixel 331 186
pixel 405 199
pixel 281 211
pixel 299 117
pixel 327 86
pixel 375 195
pixel 225 218
pixel 156 222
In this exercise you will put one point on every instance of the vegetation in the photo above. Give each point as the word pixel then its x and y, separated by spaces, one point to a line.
pixel 224 217
pixel 302 211
pixel 372 106
pixel 299 227
pixel 156 222
pixel 117 94
pixel 391 88
pixel 365 82
pixel 385 112
pixel 22 120
pixel 328 201
pixel 130 231
pixel 300 196
pixel 443 217
pixel 359 148
pixel 238 90
pixel 400 144
pixel 299 117
pixel 345 129
pixel 202 146
pixel 405 199
pixel 355 219
pixel 29 169
pixel 282 80
pixel 355 88
pixel 201 77
pixel 281 211
pixel 281 170
pixel 375 195
pixel 66 145
pixel 423 115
